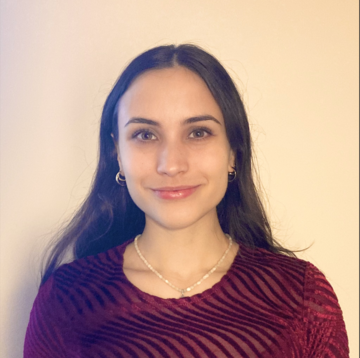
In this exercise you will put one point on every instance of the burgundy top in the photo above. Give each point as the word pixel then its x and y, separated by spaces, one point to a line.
pixel 267 305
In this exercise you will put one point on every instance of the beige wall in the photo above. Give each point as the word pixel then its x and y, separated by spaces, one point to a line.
pixel 295 63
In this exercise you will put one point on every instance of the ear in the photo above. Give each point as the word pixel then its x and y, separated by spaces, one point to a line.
pixel 231 161
pixel 116 144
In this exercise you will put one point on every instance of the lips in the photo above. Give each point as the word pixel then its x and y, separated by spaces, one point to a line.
pixel 179 192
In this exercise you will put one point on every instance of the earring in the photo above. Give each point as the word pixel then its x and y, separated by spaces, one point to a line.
pixel 120 179
pixel 231 176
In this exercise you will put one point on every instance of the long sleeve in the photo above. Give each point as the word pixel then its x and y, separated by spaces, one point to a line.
pixel 326 335
pixel 44 336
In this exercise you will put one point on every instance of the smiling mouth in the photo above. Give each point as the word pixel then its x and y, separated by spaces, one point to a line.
pixel 179 192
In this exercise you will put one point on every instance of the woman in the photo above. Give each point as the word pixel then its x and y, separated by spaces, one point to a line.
pixel 203 276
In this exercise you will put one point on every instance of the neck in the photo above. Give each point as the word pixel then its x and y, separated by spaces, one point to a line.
pixel 185 251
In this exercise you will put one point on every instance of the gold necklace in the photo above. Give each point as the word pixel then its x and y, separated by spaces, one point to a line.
pixel 182 290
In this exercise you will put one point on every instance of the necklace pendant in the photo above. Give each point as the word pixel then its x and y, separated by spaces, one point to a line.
pixel 182 293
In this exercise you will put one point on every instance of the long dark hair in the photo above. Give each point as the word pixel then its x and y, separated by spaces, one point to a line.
pixel 109 217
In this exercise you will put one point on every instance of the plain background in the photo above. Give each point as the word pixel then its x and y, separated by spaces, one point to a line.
pixel 295 63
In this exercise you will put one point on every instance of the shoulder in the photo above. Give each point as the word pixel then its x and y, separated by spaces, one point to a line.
pixel 90 268
pixel 280 267
pixel 319 297
pixel 83 284
pixel 293 282
pixel 298 272
pixel 297 280
pixel 71 295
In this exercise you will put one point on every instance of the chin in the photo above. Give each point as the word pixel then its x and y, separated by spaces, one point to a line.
pixel 179 220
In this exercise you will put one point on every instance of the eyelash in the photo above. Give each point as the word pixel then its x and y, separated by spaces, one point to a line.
pixel 141 131
pixel 147 131
pixel 203 129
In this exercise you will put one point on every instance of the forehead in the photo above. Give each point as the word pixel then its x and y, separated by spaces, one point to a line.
pixel 171 93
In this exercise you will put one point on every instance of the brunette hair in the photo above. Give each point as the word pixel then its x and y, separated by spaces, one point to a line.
pixel 108 217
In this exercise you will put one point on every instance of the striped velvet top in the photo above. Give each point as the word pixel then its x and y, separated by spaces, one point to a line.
pixel 267 305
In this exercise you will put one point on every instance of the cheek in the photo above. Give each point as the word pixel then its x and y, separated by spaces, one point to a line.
pixel 137 171
pixel 215 162
pixel 132 159
pixel 137 168
pixel 214 169
pixel 135 178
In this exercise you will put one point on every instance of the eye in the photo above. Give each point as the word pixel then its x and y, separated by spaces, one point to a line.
pixel 200 133
pixel 144 135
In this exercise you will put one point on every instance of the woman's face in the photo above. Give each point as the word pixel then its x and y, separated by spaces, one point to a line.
pixel 173 148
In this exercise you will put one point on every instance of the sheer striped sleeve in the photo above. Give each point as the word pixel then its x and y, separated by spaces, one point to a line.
pixel 44 336
pixel 326 335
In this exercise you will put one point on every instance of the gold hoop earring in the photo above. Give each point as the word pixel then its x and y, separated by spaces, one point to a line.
pixel 120 179
pixel 231 176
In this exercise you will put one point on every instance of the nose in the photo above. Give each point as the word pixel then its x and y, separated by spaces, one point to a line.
pixel 172 159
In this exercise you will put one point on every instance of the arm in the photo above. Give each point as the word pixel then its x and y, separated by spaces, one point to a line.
pixel 44 334
pixel 326 334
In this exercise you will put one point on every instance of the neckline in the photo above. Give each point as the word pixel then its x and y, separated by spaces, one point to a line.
pixel 181 301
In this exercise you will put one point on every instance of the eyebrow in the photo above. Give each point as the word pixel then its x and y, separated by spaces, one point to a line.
pixel 190 120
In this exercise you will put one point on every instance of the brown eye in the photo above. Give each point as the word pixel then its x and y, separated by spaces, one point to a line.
pixel 144 135
pixel 200 133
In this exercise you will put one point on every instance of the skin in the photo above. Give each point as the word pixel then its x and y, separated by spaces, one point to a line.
pixel 181 142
